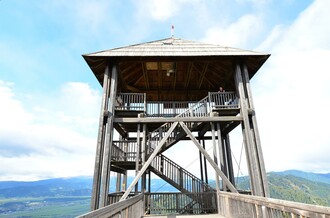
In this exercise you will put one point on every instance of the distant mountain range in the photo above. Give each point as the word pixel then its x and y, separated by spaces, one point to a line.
pixel 293 185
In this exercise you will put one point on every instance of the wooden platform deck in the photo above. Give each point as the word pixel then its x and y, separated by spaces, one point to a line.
pixel 186 216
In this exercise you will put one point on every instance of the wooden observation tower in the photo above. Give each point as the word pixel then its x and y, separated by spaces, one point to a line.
pixel 158 93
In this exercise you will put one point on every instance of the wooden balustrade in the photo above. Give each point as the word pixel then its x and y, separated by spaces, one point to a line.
pixel 167 109
pixel 124 150
pixel 131 101
pixel 202 108
pixel 246 206
pixel 131 207
pixel 223 100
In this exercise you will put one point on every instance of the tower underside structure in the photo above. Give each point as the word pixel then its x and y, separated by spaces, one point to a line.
pixel 159 93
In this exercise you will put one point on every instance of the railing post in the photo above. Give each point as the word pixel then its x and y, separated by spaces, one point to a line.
pixel 145 102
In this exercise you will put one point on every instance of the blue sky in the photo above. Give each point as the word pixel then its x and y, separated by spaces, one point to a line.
pixel 50 100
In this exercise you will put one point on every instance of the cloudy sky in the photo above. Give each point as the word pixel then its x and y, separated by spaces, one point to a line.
pixel 50 100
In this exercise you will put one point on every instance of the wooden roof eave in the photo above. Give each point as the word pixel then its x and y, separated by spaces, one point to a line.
pixel 98 63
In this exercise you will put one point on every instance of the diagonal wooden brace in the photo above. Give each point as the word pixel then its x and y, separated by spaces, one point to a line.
pixel 147 163
pixel 207 156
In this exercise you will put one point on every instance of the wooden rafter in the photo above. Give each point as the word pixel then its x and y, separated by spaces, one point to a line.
pixel 145 75
pixel 203 75
pixel 131 69
pixel 189 71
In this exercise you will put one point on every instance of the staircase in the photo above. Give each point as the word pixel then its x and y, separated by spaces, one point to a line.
pixel 165 168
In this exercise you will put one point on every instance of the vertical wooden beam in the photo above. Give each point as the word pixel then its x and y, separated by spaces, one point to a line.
pixel 137 157
pixel 100 143
pixel 124 185
pixel 221 155
pixel 253 164
pixel 205 165
pixel 215 157
pixel 230 167
pixel 118 184
pixel 200 158
pixel 143 153
pixel 105 183
pixel 256 133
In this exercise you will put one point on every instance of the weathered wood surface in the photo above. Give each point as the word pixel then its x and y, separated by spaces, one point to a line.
pixel 252 155
pixel 246 206
pixel 105 178
pixel 176 119
pixel 130 208
pixel 100 144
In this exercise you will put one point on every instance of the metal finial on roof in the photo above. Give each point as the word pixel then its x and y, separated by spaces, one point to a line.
pixel 172 31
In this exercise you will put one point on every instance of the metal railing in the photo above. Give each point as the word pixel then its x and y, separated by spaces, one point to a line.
pixel 246 206
pixel 181 203
pixel 131 101
pixel 223 100
pixel 131 207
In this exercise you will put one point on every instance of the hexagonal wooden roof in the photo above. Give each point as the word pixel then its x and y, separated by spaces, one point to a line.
pixel 173 68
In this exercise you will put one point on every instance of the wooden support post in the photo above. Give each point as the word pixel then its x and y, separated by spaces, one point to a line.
pixel 100 143
pixel 256 133
pixel 248 135
pixel 200 160
pixel 205 164
pixel 105 183
pixel 146 165
pixel 143 154
pixel 230 167
pixel 118 183
pixel 209 159
pixel 221 155
pixel 215 158
pixel 137 157
pixel 124 185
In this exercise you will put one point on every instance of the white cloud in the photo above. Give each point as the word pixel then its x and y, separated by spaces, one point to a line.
pixel 162 10
pixel 238 34
pixel 47 134
pixel 293 94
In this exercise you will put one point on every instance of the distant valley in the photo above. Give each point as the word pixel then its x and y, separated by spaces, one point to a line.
pixel 71 197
